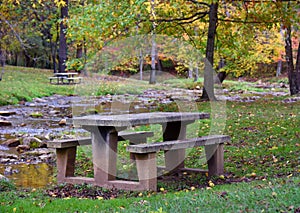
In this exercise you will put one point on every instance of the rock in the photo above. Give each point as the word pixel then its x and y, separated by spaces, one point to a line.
pixel 62 122
pixel 7 155
pixel 36 114
pixel 5 148
pixel 7 160
pixel 39 152
pixel 54 112
pixel 5 123
pixel 47 157
pixel 22 148
pixel 39 100
pixel 282 85
pixel 7 113
pixel 14 142
pixel 33 142
pixel 30 104
pixel 2 177
pixel 8 170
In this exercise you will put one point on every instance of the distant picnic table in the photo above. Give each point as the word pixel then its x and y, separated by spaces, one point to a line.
pixel 65 78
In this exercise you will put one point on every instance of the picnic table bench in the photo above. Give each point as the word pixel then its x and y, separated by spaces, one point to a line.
pixel 145 155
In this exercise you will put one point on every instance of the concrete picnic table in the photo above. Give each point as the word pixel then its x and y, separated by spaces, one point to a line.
pixel 104 131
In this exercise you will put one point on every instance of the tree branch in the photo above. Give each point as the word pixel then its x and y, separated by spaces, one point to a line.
pixel 248 22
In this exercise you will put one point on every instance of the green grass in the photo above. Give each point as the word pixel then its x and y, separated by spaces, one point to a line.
pixel 21 83
pixel 271 195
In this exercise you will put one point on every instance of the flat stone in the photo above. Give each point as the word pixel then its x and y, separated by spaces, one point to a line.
pixel 2 177
pixel 5 123
pixel 33 142
pixel 7 113
pixel 22 148
pixel 127 120
pixel 7 155
pixel 14 142
pixel 62 122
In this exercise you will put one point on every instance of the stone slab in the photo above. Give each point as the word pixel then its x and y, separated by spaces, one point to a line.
pixel 178 144
pixel 128 120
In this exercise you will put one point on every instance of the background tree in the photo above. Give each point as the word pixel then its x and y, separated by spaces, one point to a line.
pixel 62 54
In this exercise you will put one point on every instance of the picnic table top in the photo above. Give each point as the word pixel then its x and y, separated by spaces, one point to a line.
pixel 127 120
pixel 65 73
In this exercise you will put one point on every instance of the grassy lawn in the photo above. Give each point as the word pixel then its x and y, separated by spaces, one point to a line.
pixel 262 162
pixel 21 83
pixel 273 195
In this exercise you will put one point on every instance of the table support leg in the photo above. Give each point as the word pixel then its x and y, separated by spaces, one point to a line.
pixel 174 159
pixel 147 170
pixel 104 145
pixel 215 159
pixel 65 163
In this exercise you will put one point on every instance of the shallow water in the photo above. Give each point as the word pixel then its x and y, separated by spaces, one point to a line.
pixel 29 175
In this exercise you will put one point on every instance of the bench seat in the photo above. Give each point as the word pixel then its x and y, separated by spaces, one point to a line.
pixel 133 137
pixel 145 155
pixel 74 80
pixel 178 144
pixel 56 78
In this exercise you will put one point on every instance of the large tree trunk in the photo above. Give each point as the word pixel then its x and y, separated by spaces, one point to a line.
pixel 208 89
pixel 221 75
pixel 62 54
pixel 297 71
pixel 293 74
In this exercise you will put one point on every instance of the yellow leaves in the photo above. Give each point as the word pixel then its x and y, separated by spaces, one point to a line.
pixel 211 184
pixel 60 3
pixel 273 148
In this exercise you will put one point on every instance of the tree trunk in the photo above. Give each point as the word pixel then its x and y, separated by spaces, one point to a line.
pixel 62 54
pixel 79 51
pixel 153 57
pixel 297 71
pixel 293 74
pixel 279 68
pixel 221 77
pixel 196 77
pixel 208 89
pixel 190 71
pixel 2 62
pixel 141 62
